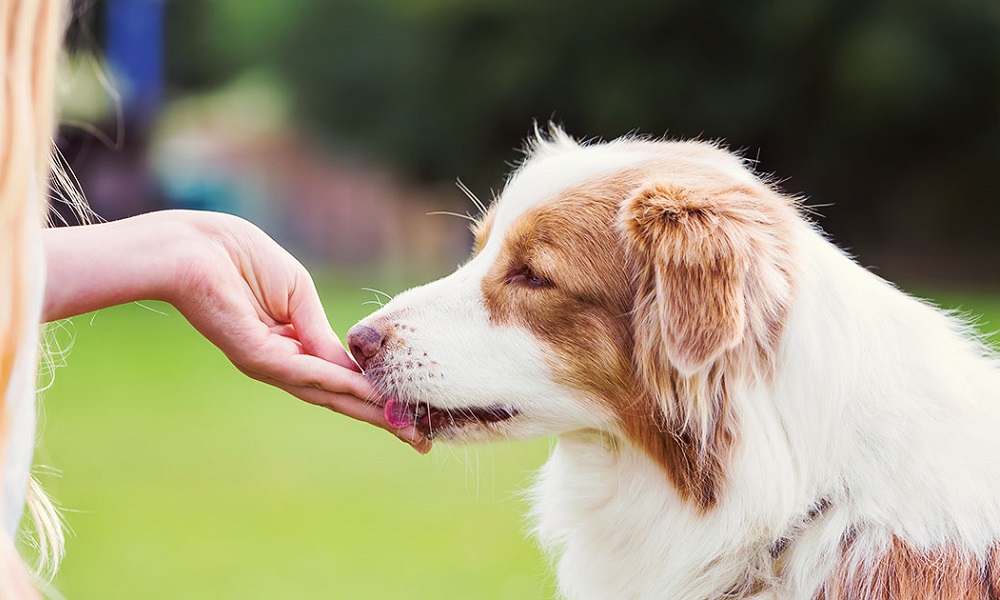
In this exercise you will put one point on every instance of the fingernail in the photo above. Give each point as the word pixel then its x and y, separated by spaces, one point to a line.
pixel 410 435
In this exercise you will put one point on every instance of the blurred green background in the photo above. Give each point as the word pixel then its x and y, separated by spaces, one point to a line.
pixel 336 126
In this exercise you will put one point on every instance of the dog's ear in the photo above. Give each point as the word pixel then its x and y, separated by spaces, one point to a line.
pixel 712 285
pixel 692 255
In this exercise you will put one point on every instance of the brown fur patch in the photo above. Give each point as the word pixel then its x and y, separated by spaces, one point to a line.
pixel 993 571
pixel 718 270
pixel 582 310
pixel 696 262
pixel 481 230
pixel 905 573
pixel 642 294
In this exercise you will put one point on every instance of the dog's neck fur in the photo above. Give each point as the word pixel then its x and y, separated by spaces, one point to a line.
pixel 612 521
pixel 913 409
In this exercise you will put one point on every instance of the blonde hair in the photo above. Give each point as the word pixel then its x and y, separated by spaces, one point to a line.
pixel 30 38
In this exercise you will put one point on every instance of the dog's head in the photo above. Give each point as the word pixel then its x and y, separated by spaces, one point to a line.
pixel 621 287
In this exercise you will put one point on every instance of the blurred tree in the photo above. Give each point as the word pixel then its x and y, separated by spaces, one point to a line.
pixel 890 109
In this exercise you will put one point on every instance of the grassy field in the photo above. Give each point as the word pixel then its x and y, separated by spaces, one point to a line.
pixel 183 479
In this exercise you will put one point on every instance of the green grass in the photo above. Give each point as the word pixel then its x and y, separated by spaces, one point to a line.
pixel 183 479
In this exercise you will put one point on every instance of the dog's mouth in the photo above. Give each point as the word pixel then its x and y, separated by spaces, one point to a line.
pixel 431 420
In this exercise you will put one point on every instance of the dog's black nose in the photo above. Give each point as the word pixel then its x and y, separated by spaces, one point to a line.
pixel 365 343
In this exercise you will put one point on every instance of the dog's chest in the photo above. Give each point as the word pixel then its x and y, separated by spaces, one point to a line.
pixel 619 530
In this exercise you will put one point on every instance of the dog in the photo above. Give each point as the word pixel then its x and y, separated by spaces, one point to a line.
pixel 742 410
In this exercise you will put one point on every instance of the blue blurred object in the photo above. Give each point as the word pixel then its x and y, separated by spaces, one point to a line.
pixel 135 53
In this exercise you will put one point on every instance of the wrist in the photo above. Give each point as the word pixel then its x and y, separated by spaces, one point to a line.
pixel 196 243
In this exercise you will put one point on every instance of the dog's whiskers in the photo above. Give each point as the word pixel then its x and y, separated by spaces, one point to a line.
pixel 379 292
pixel 471 196
pixel 469 218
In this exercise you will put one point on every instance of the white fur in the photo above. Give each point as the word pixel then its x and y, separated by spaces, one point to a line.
pixel 882 407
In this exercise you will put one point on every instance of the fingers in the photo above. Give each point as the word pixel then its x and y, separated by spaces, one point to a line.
pixel 359 410
pixel 307 371
pixel 311 325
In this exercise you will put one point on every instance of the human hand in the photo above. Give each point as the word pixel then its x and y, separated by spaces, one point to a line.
pixel 253 300
pixel 237 287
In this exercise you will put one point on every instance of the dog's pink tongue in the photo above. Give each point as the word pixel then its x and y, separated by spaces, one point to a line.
pixel 396 414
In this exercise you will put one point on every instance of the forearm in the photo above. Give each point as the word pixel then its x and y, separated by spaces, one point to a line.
pixel 96 266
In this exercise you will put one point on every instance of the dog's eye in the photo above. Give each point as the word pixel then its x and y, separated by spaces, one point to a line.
pixel 525 276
